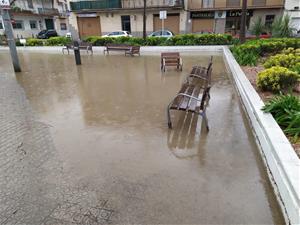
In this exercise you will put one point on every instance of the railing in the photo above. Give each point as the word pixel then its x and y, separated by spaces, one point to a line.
pixel 124 4
pixel 48 11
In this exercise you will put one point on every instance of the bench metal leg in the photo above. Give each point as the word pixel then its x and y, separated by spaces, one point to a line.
pixel 205 120
pixel 169 118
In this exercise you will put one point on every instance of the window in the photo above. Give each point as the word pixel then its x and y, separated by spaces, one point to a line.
pixel 63 26
pixel 30 5
pixel 207 3
pixel 1 25
pixel 269 20
pixel 33 24
pixel 18 24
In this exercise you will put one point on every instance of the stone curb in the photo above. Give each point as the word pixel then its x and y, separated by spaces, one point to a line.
pixel 277 152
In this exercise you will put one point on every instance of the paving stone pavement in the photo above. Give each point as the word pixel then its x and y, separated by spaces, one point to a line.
pixel 34 189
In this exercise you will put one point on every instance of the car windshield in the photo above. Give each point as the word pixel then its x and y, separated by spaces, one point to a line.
pixel 43 32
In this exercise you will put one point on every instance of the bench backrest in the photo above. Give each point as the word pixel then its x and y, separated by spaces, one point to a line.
pixel 170 54
pixel 117 45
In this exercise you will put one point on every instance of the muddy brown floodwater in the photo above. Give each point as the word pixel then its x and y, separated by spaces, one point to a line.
pixel 108 121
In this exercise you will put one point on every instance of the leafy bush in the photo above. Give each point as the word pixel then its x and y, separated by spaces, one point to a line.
pixel 257 27
pixel 276 79
pixel 58 41
pixel 283 60
pixel 248 53
pixel 34 42
pixel 291 51
pixel 281 27
pixel 184 39
pixel 286 111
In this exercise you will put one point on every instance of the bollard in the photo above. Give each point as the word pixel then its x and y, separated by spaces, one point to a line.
pixel 77 53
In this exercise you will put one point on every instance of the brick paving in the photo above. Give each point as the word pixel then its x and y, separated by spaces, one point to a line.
pixel 33 186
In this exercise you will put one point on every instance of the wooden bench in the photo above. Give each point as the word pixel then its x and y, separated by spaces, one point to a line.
pixel 170 59
pixel 128 49
pixel 134 50
pixel 190 98
pixel 82 46
pixel 199 73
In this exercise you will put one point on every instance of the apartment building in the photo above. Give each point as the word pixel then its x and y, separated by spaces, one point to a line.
pixel 224 16
pixel 103 16
pixel 292 8
pixel 29 17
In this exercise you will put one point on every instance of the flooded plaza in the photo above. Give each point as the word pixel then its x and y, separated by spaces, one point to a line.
pixel 110 157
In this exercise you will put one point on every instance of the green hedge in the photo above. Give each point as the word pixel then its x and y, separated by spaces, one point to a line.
pixel 53 41
pixel 249 53
pixel 184 39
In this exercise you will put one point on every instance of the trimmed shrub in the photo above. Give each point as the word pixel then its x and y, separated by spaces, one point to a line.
pixel 276 79
pixel 283 60
pixel 184 39
pixel 34 42
pixel 248 53
pixel 58 41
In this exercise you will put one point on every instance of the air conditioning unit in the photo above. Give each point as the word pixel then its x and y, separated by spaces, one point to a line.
pixel 220 14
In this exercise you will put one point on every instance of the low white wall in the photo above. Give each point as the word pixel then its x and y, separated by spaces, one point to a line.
pixel 277 152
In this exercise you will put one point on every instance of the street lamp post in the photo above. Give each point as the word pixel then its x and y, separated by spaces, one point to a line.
pixel 144 20
pixel 10 39
pixel 243 22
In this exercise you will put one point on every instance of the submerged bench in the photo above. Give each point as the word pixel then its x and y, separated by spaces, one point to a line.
pixel 82 46
pixel 194 95
pixel 128 49
pixel 170 59
pixel 190 98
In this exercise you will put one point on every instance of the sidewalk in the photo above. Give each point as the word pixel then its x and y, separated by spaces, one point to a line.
pixel 33 189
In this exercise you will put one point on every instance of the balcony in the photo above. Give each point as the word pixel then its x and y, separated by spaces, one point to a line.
pixel 123 4
pixel 48 11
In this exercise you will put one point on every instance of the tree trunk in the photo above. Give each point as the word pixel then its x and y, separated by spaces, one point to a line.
pixel 144 20
pixel 243 22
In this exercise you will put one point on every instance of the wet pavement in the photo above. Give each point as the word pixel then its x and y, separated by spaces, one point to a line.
pixel 90 145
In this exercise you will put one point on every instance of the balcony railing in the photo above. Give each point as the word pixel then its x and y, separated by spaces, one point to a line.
pixel 48 11
pixel 123 4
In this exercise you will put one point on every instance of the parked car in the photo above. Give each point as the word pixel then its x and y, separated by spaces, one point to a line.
pixel 45 34
pixel 118 34
pixel 162 33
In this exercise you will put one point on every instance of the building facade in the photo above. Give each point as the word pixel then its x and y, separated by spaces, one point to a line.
pixel 104 16
pixel 292 8
pixel 224 16
pixel 29 17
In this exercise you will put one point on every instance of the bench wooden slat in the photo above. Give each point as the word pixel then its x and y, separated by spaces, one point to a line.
pixel 194 103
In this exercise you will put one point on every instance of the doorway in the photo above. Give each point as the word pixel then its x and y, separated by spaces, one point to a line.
pixel 125 20
pixel 49 24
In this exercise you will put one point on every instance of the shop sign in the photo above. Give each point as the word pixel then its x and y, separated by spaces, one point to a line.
pixel 203 15
pixel 238 13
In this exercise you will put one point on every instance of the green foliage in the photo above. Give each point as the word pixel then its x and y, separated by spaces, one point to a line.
pixel 258 27
pixel 283 60
pixel 34 42
pixel 286 111
pixel 184 39
pixel 58 41
pixel 281 27
pixel 276 79
pixel 249 52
